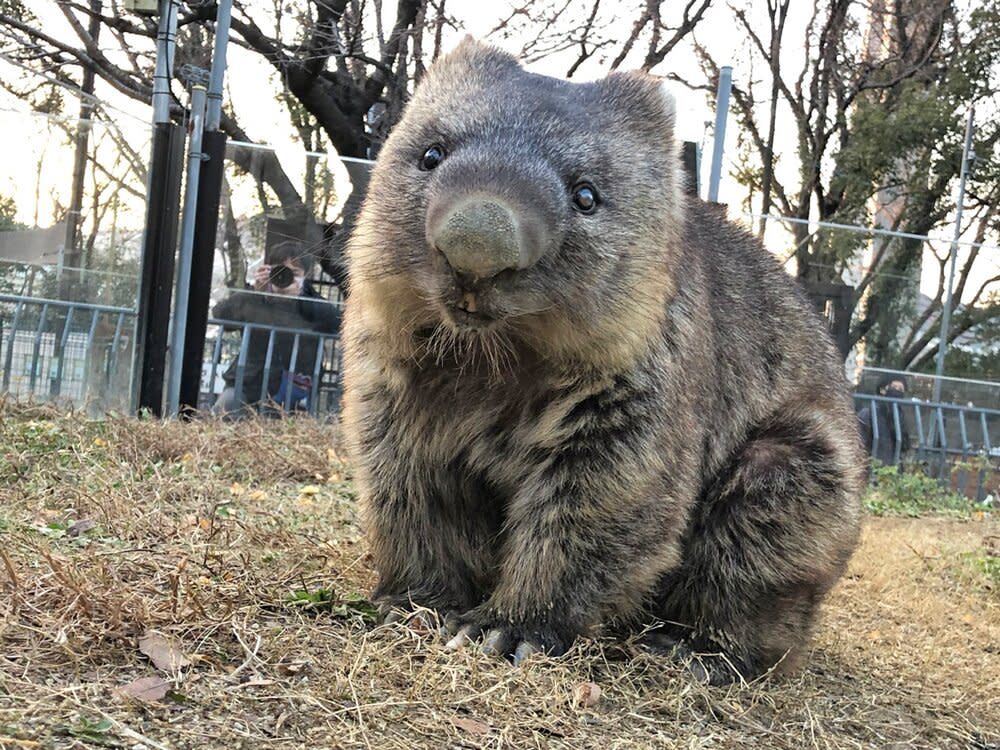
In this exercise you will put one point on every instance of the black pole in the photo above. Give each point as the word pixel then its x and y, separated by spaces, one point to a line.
pixel 156 278
pixel 206 225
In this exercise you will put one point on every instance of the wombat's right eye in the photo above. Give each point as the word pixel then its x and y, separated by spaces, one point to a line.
pixel 585 198
pixel 432 157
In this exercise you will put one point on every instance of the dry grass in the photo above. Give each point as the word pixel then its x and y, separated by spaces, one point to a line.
pixel 205 532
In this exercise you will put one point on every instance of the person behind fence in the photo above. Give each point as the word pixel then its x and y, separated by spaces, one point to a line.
pixel 281 296
pixel 879 414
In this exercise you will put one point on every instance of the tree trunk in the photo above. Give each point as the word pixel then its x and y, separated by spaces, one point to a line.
pixel 71 245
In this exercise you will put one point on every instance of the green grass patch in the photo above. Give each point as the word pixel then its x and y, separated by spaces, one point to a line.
pixel 985 567
pixel 914 494
pixel 97 732
pixel 324 600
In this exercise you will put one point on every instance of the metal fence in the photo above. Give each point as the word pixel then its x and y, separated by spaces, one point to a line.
pixel 983 394
pixel 230 345
pixel 80 354
pixel 956 444
pixel 71 351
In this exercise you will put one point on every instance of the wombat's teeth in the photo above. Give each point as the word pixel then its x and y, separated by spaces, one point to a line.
pixel 469 302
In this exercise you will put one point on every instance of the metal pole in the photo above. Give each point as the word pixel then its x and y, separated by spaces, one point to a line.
pixel 719 139
pixel 160 234
pixel 198 97
pixel 967 157
pixel 206 222
pixel 166 37
pixel 213 116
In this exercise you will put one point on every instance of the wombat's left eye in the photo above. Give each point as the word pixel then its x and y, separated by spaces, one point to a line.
pixel 433 156
pixel 585 198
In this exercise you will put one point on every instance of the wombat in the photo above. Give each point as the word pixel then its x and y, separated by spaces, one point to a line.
pixel 577 399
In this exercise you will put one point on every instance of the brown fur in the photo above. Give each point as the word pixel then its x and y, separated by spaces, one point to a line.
pixel 648 424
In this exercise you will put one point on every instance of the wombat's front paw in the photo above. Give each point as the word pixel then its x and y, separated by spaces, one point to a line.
pixel 516 641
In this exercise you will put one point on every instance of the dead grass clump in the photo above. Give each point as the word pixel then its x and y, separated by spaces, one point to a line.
pixel 235 549
pixel 257 448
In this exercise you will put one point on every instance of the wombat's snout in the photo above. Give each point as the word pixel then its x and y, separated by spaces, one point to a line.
pixel 481 236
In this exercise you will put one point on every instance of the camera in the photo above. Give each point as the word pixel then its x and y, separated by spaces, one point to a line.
pixel 281 276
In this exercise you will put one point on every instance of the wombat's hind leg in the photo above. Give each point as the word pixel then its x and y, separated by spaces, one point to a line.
pixel 767 541
pixel 711 669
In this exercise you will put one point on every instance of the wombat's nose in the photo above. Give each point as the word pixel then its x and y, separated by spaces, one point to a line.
pixel 481 239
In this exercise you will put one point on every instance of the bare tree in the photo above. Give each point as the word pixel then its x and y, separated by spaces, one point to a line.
pixel 345 67
pixel 877 109
pixel 579 31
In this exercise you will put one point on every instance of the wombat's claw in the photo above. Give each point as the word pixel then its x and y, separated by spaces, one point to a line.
pixel 508 641
pixel 460 639
pixel 523 651
pixel 393 617
pixel 714 669
pixel 709 669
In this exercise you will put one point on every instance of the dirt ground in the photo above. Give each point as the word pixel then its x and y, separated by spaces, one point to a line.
pixel 202 586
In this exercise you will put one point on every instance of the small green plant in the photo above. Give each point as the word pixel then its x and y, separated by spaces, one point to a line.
pixel 320 600
pixel 357 605
pixel 913 493
pixel 986 565
pixel 324 600
pixel 95 732
pixel 53 529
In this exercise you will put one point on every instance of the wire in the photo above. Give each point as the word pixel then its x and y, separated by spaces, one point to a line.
pixel 867 230
pixel 77 91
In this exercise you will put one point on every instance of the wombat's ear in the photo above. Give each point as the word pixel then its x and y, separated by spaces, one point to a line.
pixel 473 53
pixel 644 100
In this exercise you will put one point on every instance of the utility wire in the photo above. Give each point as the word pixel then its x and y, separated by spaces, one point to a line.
pixel 76 90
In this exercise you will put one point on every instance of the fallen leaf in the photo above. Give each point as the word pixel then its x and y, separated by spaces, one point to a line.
pixel 586 695
pixel 187 457
pixel 258 495
pixel 147 689
pixel 236 489
pixel 81 527
pixel 164 654
pixel 310 489
pixel 470 725
pixel 292 668
pixel 100 442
